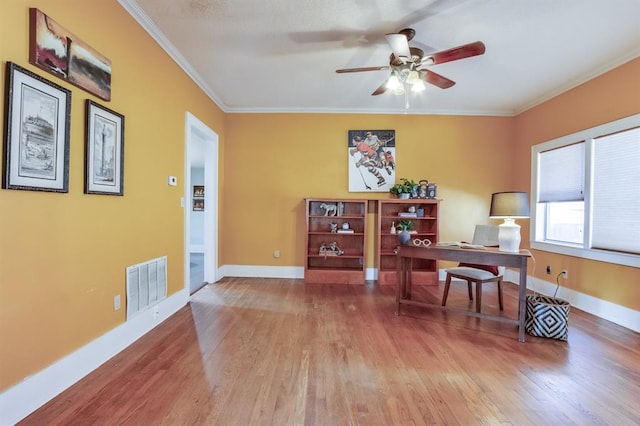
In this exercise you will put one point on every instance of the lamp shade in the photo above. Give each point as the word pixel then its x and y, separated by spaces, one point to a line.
pixel 513 204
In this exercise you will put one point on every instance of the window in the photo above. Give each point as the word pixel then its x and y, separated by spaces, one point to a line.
pixel 586 195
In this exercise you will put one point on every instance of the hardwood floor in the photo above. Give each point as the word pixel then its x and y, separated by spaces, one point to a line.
pixel 281 352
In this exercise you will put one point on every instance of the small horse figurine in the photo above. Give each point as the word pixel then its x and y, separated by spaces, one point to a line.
pixel 329 209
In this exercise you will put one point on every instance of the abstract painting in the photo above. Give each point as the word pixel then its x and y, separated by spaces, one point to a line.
pixel 58 51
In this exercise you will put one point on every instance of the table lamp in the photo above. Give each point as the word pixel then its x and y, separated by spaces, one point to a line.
pixel 510 206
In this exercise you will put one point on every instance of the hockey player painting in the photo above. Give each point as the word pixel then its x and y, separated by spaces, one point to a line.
pixel 371 160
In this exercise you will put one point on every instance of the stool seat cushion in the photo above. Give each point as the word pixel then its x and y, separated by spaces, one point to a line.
pixel 473 273
pixel 493 269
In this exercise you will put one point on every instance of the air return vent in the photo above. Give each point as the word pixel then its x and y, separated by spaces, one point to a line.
pixel 146 285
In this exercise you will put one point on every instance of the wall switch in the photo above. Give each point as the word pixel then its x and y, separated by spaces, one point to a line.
pixel 116 302
pixel 172 181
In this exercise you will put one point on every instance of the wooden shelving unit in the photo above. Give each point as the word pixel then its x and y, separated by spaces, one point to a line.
pixel 426 226
pixel 349 266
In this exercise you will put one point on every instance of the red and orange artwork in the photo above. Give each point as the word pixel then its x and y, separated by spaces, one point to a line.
pixel 58 51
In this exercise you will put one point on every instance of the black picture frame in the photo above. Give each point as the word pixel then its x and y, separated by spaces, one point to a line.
pixel 423 186
pixel 37 122
pixel 198 191
pixel 198 204
pixel 104 150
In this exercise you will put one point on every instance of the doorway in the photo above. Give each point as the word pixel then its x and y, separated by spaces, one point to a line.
pixel 201 206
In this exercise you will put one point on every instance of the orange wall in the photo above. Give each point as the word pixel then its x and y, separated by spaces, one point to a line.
pixel 604 99
pixel 276 160
pixel 63 256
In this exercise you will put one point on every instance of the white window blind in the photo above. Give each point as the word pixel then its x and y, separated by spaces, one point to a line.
pixel 562 174
pixel 616 198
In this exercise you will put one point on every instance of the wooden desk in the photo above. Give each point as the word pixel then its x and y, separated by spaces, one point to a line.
pixel 488 256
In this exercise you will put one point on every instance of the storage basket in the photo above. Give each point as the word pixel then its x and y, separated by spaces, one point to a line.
pixel 547 317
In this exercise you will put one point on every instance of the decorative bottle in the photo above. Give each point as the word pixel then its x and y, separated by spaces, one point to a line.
pixel 404 237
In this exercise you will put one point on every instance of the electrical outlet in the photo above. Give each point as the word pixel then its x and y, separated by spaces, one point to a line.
pixel 548 269
pixel 565 274
pixel 116 302
pixel 276 254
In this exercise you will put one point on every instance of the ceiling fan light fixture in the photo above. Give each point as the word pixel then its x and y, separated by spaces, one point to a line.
pixel 405 61
pixel 413 77
pixel 418 86
pixel 403 74
pixel 393 83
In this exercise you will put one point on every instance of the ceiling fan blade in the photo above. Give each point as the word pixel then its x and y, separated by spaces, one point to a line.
pixel 453 54
pixel 437 80
pixel 344 70
pixel 380 90
pixel 399 44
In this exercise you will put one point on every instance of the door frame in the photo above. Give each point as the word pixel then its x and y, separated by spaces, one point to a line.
pixel 196 132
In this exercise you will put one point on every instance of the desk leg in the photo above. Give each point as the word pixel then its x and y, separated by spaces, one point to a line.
pixel 407 280
pixel 522 300
pixel 400 264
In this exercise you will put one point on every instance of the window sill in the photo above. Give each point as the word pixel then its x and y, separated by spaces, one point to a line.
pixel 592 254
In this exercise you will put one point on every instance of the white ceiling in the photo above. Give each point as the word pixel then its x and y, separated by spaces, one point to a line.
pixel 281 55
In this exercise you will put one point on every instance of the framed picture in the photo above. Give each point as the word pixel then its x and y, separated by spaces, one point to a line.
pixel 198 191
pixel 371 160
pixel 36 146
pixel 198 204
pixel 423 186
pixel 56 50
pixel 104 151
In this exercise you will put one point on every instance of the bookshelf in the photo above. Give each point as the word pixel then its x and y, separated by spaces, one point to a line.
pixel 334 254
pixel 391 212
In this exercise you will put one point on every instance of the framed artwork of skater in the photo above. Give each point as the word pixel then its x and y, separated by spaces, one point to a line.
pixel 371 160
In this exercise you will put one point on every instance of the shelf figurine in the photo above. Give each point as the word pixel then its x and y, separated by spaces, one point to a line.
pixel 329 209
pixel 331 249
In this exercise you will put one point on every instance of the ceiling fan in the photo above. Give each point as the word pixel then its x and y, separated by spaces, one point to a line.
pixel 405 63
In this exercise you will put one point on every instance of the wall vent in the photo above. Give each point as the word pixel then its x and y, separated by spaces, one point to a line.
pixel 146 285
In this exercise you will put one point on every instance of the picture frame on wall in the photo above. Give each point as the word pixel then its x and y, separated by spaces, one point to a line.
pixel 371 160
pixel 198 204
pixel 36 146
pixel 198 191
pixel 104 150
pixel 56 50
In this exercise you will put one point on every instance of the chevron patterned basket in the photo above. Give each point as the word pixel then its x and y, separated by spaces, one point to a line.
pixel 547 317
